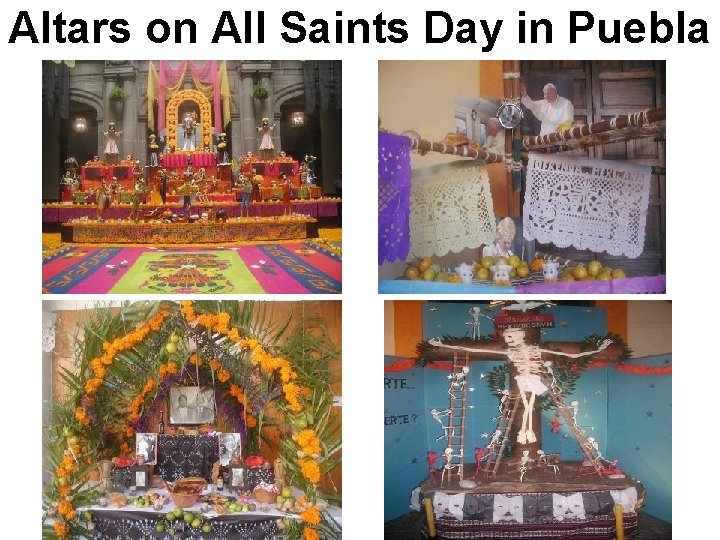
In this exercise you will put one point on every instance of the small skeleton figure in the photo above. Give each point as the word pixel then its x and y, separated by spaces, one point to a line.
pixel 475 323
pixel 458 380
pixel 544 461
pixel 525 461
pixel 503 399
pixel 448 467
pixel 526 359
pixel 438 415
pixel 493 441
pixel 575 405
pixel 548 368
pixel 593 446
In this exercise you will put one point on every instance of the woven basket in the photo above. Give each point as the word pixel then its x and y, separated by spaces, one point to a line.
pixel 184 492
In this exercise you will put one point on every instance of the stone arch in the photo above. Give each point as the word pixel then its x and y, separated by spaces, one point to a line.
pixel 90 99
pixel 171 116
pixel 287 93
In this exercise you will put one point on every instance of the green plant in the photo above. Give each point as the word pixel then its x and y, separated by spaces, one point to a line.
pixel 260 92
pixel 118 93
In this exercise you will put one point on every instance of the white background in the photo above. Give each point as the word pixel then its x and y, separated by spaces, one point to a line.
pixel 692 195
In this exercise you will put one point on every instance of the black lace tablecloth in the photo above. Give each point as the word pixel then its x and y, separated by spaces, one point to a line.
pixel 180 456
pixel 129 525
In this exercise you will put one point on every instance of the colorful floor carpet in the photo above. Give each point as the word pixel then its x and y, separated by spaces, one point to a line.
pixel 289 268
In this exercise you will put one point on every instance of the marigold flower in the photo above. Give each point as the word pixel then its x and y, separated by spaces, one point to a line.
pixel 310 534
pixel 310 470
pixel 251 421
pixel 311 515
pixel 223 375
pixel 215 364
pixel 61 528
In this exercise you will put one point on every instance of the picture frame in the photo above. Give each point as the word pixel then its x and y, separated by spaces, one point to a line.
pixel 146 445
pixel 191 405
pixel 141 477
pixel 237 477
pixel 229 447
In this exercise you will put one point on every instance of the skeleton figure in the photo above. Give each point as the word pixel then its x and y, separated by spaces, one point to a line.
pixel 543 461
pixel 493 441
pixel 593 446
pixel 448 467
pixel 475 323
pixel 548 368
pixel 458 380
pixel 437 415
pixel 503 399
pixel 527 361
pixel 575 405
pixel 525 461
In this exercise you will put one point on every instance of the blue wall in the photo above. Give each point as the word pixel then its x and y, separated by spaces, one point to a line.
pixel 640 417
pixel 613 409
pixel 405 437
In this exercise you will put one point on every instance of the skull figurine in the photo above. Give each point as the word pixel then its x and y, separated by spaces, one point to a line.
pixel 550 270
pixel 465 271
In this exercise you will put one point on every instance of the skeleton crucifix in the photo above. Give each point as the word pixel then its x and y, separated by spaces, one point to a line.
pixel 527 361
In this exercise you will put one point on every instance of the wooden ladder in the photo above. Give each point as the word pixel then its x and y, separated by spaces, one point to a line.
pixel 591 454
pixel 507 415
pixel 456 419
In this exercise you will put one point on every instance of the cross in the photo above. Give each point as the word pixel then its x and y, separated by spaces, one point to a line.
pixel 500 349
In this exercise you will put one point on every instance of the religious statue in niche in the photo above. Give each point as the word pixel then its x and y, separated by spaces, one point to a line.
pixel 266 143
pixel 111 148
pixel 154 150
pixel 189 126
pixel 532 372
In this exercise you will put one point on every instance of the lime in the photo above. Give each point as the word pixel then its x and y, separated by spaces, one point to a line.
pixel 206 528
pixel 159 528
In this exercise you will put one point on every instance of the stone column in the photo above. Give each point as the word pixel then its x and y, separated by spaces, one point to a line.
pixel 246 126
pixel 267 110
pixel 131 144
pixel 331 135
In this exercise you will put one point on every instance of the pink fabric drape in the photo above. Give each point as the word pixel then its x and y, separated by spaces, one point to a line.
pixel 207 73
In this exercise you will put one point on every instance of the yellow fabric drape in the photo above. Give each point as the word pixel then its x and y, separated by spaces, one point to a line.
pixel 224 92
pixel 151 95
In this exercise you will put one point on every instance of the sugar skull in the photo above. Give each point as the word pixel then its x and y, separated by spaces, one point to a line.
pixel 550 270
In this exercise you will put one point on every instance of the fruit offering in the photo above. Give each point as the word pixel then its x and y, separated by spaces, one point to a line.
pixel 592 271
pixel 518 268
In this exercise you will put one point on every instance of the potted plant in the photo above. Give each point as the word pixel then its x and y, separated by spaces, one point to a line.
pixel 260 92
pixel 118 94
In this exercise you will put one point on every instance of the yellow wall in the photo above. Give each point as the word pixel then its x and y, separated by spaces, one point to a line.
pixel 419 95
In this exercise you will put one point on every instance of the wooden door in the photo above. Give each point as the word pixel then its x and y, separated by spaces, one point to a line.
pixel 603 89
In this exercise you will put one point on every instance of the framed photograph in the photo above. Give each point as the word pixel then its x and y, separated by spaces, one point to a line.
pixel 192 405
pixel 237 477
pixel 230 447
pixel 141 477
pixel 146 448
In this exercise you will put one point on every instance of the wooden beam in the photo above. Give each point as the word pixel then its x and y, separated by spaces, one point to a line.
pixel 644 118
pixel 463 151
pixel 610 354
